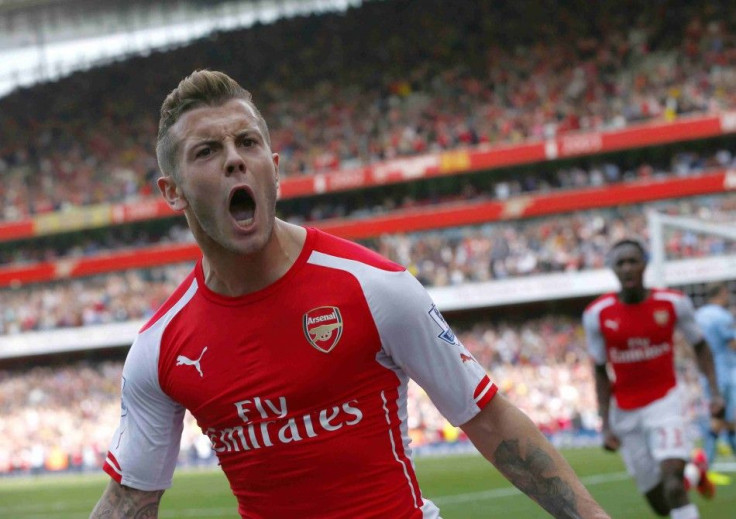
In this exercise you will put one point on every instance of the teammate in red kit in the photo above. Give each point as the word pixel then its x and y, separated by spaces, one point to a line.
pixel 293 348
pixel 642 408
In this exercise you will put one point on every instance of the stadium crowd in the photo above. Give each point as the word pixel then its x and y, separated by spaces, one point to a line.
pixel 560 243
pixel 115 297
pixel 362 204
pixel 447 82
pixel 567 242
pixel 505 184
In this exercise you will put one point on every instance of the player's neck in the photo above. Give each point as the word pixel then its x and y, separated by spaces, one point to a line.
pixel 236 275
pixel 633 296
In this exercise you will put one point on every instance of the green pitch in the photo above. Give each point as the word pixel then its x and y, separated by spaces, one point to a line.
pixel 464 487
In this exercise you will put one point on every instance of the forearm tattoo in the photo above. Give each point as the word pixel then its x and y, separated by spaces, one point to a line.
pixel 530 476
pixel 124 502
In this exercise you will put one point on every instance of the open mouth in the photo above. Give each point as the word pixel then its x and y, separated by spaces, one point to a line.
pixel 242 206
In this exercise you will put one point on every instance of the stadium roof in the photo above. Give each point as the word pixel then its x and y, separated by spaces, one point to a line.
pixel 43 40
pixel 23 5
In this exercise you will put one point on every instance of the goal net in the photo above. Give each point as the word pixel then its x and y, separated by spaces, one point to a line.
pixel 712 245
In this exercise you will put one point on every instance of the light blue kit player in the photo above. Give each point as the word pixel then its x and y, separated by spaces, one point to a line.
pixel 719 328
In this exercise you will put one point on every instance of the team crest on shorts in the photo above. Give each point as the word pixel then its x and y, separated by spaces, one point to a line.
pixel 661 317
pixel 323 327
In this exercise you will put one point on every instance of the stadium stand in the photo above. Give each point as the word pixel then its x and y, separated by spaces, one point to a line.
pixel 487 169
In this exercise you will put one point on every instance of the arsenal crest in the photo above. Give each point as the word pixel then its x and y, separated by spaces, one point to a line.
pixel 661 317
pixel 323 327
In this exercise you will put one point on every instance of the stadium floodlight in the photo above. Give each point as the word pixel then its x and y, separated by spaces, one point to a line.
pixel 657 222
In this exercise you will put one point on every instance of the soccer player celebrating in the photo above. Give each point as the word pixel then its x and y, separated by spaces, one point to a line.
pixel 642 412
pixel 292 349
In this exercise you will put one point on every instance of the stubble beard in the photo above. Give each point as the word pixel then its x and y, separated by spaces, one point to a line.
pixel 210 236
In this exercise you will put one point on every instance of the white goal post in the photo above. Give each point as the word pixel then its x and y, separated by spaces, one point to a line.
pixel 657 222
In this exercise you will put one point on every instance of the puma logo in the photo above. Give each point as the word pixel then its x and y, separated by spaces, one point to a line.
pixel 181 360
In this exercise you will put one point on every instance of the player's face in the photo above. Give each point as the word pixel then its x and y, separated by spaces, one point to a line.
pixel 628 264
pixel 227 178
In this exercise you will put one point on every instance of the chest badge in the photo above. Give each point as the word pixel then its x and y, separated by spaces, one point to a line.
pixel 661 317
pixel 323 327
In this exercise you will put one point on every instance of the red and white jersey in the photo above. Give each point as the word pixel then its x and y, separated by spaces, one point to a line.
pixel 637 340
pixel 301 387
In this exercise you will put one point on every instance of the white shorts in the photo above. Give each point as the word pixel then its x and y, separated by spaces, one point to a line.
pixel 651 434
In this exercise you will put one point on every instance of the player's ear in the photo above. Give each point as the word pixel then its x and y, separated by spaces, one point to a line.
pixel 172 193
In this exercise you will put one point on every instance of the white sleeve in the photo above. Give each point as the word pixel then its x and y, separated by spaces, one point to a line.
pixel 145 448
pixel 593 336
pixel 686 321
pixel 416 339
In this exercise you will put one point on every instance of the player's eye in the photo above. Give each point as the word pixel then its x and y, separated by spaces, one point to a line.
pixel 203 152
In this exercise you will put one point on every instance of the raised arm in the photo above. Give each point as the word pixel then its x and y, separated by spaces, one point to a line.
pixel 510 440
pixel 121 502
